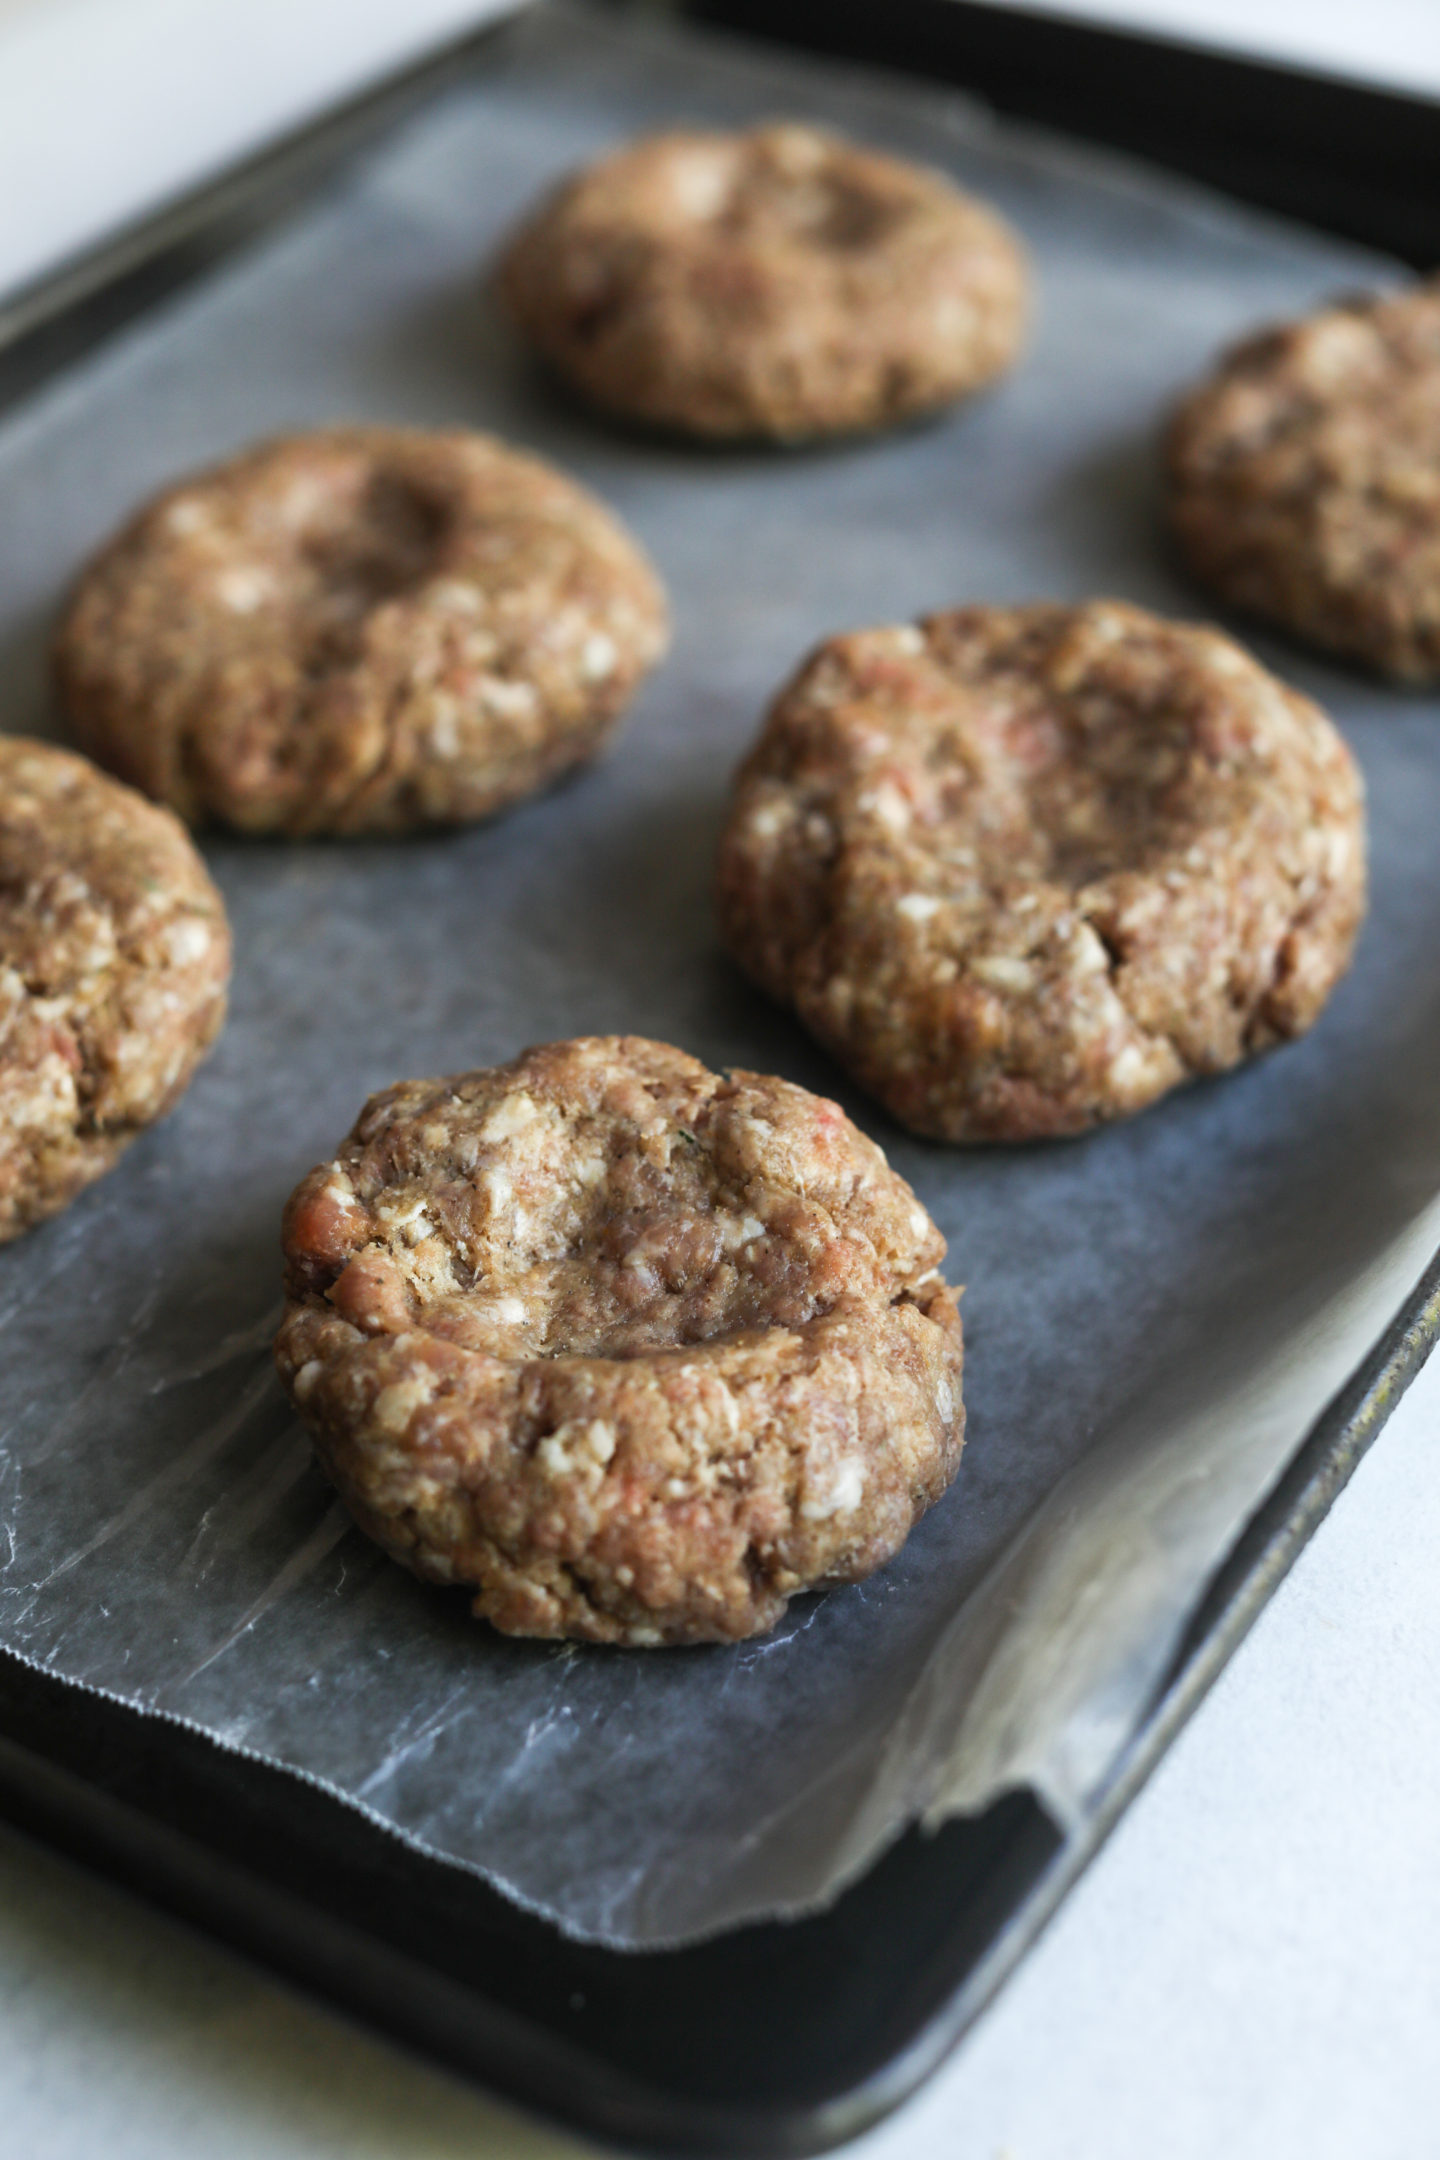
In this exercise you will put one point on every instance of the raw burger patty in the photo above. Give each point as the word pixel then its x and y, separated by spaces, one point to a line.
pixel 114 959
pixel 1024 869
pixel 780 283
pixel 633 1349
pixel 366 630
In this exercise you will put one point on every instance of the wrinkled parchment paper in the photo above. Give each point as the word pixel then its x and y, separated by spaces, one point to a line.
pixel 1154 1314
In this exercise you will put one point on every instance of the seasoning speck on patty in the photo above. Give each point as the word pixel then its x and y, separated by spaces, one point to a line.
pixel 782 283
pixel 114 958
pixel 1024 869
pixel 633 1349
pixel 362 630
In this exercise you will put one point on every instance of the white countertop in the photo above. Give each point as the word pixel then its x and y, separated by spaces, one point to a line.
pixel 107 107
pixel 1394 44
pixel 1251 1968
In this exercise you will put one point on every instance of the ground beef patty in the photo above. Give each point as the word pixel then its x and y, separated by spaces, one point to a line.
pixel 114 956
pixel 1304 480
pixel 1023 869
pixel 635 1349
pixel 364 630
pixel 777 283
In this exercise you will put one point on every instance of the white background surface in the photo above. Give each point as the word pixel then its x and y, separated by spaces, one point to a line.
pixel 109 106
pixel 1253 1966
pixel 1392 42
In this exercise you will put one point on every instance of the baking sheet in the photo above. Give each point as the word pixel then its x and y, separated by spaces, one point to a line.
pixel 1154 1315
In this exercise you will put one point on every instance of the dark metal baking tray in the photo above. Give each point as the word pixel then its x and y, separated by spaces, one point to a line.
pixel 772 2038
